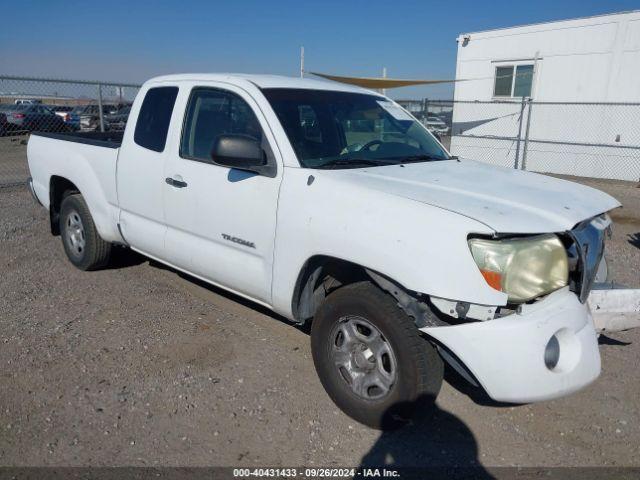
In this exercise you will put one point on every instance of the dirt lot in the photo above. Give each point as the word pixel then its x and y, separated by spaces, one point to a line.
pixel 139 365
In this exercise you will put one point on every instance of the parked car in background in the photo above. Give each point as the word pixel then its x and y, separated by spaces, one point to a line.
pixel 435 124
pixel 87 117
pixel 73 119
pixel 32 117
pixel 111 109
pixel 118 120
pixel 27 101
pixel 446 117
pixel 61 110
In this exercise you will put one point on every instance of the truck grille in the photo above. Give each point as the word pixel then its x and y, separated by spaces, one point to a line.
pixel 586 252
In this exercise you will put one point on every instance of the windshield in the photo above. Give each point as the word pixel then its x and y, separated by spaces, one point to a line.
pixel 350 130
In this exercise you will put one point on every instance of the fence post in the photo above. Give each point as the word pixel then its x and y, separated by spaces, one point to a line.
pixel 526 136
pixel 100 108
pixel 515 165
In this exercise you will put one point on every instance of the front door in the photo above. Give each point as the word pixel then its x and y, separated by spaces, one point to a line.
pixel 221 221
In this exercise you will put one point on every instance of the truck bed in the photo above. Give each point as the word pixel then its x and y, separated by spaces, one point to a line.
pixel 99 139
pixel 88 160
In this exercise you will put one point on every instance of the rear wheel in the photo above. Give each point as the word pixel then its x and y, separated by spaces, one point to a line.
pixel 371 359
pixel 80 238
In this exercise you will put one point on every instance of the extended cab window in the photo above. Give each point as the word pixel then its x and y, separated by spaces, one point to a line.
pixel 154 117
pixel 212 113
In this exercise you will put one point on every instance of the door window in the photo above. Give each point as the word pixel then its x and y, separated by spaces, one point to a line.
pixel 154 118
pixel 211 113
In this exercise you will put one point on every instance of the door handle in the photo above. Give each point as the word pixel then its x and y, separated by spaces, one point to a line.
pixel 175 183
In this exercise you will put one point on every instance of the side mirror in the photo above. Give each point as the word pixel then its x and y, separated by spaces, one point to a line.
pixel 242 152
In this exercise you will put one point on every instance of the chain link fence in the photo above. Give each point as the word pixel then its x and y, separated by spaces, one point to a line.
pixel 598 140
pixel 34 104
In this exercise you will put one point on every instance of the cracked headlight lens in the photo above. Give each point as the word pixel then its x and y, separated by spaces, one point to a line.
pixel 523 268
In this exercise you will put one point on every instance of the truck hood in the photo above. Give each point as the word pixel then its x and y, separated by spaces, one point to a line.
pixel 506 200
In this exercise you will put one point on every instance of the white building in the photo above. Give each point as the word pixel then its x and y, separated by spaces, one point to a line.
pixel 587 60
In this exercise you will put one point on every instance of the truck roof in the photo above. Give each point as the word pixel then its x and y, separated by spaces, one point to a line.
pixel 263 81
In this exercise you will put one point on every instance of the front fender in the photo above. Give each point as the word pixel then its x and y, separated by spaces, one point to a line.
pixel 424 248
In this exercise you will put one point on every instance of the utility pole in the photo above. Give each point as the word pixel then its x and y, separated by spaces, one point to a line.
pixel 302 62
pixel 384 75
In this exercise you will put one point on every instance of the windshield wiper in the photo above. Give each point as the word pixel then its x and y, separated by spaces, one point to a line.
pixel 353 162
pixel 416 158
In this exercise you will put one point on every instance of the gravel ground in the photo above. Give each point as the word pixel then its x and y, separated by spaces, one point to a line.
pixel 140 365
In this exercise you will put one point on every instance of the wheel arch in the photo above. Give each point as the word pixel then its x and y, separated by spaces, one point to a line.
pixel 59 188
pixel 322 274
pixel 319 275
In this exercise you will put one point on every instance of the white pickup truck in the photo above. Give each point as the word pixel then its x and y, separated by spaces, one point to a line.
pixel 331 204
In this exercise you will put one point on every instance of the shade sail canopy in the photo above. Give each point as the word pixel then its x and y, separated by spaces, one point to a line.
pixel 378 82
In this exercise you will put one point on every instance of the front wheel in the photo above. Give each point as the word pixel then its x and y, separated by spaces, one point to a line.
pixel 371 359
pixel 80 238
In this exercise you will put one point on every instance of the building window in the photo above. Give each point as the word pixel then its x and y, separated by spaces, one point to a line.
pixel 513 81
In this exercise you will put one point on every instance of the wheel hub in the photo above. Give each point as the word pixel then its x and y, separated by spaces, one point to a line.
pixel 364 358
pixel 75 233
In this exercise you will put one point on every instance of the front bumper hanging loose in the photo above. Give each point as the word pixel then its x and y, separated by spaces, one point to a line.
pixel 547 350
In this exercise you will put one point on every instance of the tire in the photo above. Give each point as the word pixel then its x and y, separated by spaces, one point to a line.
pixel 80 238
pixel 413 363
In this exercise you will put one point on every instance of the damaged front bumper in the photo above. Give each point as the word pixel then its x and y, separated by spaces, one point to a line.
pixel 546 350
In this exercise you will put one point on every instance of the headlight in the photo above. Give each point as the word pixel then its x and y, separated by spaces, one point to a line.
pixel 523 268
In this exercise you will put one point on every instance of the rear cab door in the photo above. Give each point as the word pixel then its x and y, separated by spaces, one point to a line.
pixel 140 171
